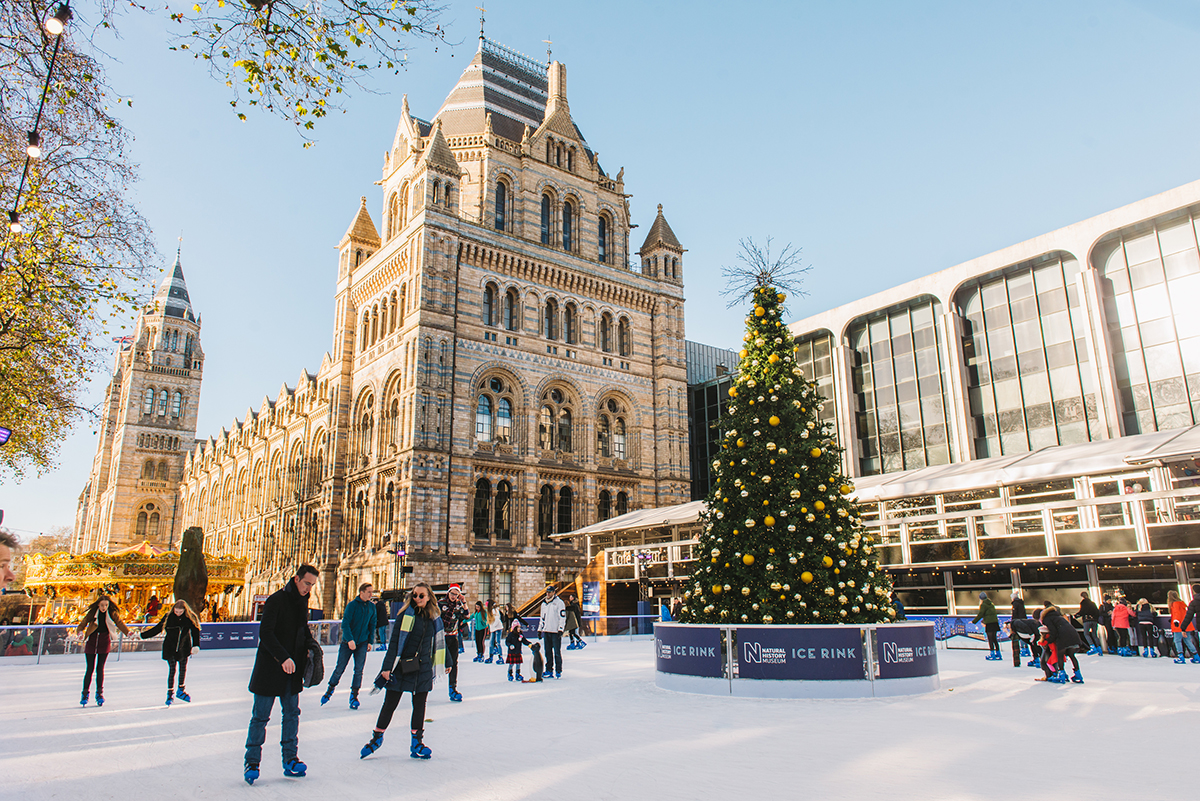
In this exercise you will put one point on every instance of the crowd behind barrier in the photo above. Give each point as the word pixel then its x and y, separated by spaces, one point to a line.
pixel 30 644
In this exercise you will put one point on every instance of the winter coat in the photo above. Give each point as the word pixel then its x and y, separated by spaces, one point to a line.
pixel 1146 614
pixel 1025 628
pixel 358 622
pixel 1060 631
pixel 554 615
pixel 1106 610
pixel 1120 616
pixel 496 622
pixel 1178 610
pixel 987 613
pixel 479 621
pixel 514 640
pixel 97 641
pixel 575 615
pixel 381 614
pixel 454 614
pixel 1193 611
pixel 1088 611
pixel 415 635
pixel 1018 609
pixel 182 635
pixel 283 634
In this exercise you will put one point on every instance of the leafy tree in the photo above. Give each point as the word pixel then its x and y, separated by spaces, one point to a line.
pixel 782 542
pixel 82 246
pixel 293 57
pixel 57 539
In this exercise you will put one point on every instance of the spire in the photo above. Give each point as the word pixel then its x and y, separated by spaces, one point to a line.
pixel 362 228
pixel 172 299
pixel 437 153
pixel 660 234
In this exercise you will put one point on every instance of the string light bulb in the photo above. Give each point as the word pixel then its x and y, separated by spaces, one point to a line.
pixel 57 22
pixel 35 145
pixel 14 222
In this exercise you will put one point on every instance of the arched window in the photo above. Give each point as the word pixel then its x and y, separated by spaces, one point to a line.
pixel 142 520
pixel 622 503
pixel 511 318
pixel 164 473
pixel 174 340
pixel 403 301
pixel 392 316
pixel 504 421
pixel 390 499
pixel 177 404
pixel 437 191
pixel 360 522
pixel 152 527
pixel 449 198
pixel 550 323
pixel 162 403
pixel 501 204
pixel 571 159
pixel 568 213
pixel 148 401
pixel 148 470
pixel 501 526
pixel 618 438
pixel 383 318
pixel 358 257
pixel 570 324
pixel 554 421
pixel 675 268
pixel 546 428
pixel 546 219
pixel 483 420
pixel 366 329
pixel 374 323
pixel 604 508
pixel 479 519
pixel 489 304
pixel 602 239
pixel 606 333
pixel 392 227
pixel 564 510
pixel 624 339
pixel 546 512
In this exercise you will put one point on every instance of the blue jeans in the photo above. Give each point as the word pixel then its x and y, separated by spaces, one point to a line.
pixel 381 635
pixel 288 741
pixel 494 647
pixel 360 661
pixel 1183 640
pixel 552 644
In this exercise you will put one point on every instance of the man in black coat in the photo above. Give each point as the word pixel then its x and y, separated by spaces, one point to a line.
pixel 1066 641
pixel 283 641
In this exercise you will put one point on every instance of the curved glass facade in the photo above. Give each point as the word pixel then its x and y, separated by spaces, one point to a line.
pixel 814 357
pixel 1150 282
pixel 1024 346
pixel 901 413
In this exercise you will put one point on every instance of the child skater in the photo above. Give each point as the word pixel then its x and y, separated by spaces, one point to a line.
pixel 513 641
pixel 182 640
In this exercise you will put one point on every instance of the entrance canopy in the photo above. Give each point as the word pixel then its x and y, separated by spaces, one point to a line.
pixel 678 515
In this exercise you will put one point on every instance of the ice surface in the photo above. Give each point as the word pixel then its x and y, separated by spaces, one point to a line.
pixel 605 731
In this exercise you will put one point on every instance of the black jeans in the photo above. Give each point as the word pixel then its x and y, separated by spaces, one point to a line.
pixel 993 629
pixel 95 662
pixel 552 645
pixel 182 663
pixel 391 700
pixel 480 635
pixel 1091 627
pixel 1146 630
pixel 452 658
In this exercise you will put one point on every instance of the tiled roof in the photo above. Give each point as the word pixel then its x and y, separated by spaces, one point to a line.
pixel 660 232
pixel 363 228
pixel 172 298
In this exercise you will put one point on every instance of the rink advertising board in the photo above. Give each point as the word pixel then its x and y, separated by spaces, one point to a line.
pixel 905 651
pixel 229 635
pixel 800 653
pixel 688 651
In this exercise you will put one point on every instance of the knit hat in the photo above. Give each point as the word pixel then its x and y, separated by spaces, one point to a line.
pixel 516 624
pixel 983 596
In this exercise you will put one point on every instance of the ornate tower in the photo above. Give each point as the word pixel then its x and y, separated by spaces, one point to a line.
pixel 149 426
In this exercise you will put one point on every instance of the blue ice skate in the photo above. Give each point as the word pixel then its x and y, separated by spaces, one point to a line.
pixel 250 772
pixel 295 768
pixel 419 750
pixel 372 746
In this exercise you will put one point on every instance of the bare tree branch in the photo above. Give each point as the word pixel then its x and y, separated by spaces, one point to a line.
pixel 758 268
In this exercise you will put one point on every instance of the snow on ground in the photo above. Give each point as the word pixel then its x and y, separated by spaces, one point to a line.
pixel 605 731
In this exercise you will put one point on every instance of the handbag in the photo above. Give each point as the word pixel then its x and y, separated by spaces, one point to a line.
pixel 410 665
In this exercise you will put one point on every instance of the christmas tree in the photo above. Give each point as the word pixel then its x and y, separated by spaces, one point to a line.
pixel 782 542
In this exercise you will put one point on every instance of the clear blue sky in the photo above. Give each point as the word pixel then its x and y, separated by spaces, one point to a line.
pixel 889 140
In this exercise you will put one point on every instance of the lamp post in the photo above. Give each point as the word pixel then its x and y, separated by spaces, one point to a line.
pixel 398 552
pixel 55 25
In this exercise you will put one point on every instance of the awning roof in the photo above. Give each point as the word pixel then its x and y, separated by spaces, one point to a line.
pixel 680 514
pixel 1062 461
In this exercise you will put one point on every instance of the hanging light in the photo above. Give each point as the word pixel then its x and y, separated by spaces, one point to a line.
pixel 14 222
pixel 57 22
pixel 35 145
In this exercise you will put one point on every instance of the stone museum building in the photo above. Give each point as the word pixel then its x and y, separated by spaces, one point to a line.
pixel 505 365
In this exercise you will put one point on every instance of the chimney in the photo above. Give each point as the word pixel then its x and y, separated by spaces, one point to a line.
pixel 558 88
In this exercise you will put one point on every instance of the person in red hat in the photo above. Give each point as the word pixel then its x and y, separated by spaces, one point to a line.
pixel 454 615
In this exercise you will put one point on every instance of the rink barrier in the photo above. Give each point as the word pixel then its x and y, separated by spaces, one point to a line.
pixel 29 644
pixel 801 661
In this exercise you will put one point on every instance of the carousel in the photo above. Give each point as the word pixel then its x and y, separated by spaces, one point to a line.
pixel 134 577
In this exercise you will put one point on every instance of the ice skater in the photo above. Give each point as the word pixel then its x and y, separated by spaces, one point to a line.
pixel 574 623
pixel 1065 642
pixel 496 632
pixel 284 639
pixel 550 627
pixel 416 650
pixel 991 624
pixel 479 623
pixel 514 640
pixel 181 641
pixel 454 616
pixel 1147 619
pixel 99 628
pixel 358 624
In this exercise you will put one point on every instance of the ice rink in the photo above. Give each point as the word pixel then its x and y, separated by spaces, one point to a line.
pixel 605 731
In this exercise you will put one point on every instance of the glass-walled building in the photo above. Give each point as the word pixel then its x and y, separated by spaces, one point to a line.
pixel 1030 418
pixel 711 372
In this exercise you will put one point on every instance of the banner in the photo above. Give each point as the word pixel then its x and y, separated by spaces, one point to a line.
pixel 229 635
pixel 960 627
pixel 905 651
pixel 591 597
pixel 794 653
pixel 687 650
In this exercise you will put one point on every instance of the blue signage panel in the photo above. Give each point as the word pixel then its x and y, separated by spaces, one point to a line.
pixel 793 652
pixel 591 597
pixel 688 650
pixel 229 635
pixel 906 651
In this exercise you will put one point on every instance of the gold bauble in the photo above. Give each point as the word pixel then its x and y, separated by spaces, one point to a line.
pixel 815 452
pixel 773 358
pixel 827 561
pixel 773 420
pixel 759 311
pixel 733 392
pixel 748 559
pixel 717 589
pixel 846 489
pixel 741 443
pixel 820 505
pixel 770 521
pixel 806 577
pixel 743 353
